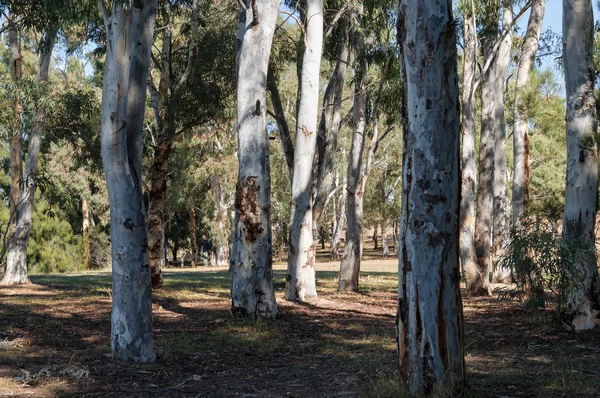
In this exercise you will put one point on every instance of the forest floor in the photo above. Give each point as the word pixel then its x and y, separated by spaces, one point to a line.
pixel 54 341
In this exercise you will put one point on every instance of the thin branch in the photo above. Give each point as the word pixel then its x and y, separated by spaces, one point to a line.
pixel 243 5
pixel 193 50
pixel 335 20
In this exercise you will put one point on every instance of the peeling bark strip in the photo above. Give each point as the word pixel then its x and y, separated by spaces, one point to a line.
pixel 300 281
pixel 581 192
pixel 429 322
pixel 251 257
pixel 520 189
pixel 129 31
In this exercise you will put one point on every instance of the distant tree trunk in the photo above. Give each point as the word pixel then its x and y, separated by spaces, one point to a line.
pixel 520 193
pixel 221 255
pixel 384 240
pixel 193 243
pixel 338 216
pixel 581 193
pixel 251 258
pixel 300 280
pixel 86 232
pixel 474 280
pixel 350 264
pixel 375 245
pixel 15 273
pixel 429 321
pixel 156 210
pixel 330 125
pixel 175 248
pixel 501 213
pixel 485 193
pixel 129 33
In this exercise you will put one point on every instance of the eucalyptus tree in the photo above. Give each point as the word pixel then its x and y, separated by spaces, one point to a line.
pixel 129 29
pixel 15 274
pixel 192 90
pixel 521 159
pixel 581 193
pixel 501 213
pixel 369 17
pixel 45 20
pixel 16 259
pixel 474 280
pixel 250 266
pixel 429 321
pixel 300 278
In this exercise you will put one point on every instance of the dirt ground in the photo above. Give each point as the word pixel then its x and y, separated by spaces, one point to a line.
pixel 54 341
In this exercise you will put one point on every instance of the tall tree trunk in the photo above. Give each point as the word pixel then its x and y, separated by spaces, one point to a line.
pixel 485 193
pixel 501 233
pixel 429 321
pixel 300 280
pixel 129 31
pixel 156 209
pixel 350 264
pixel 329 127
pixel 16 260
pixel 474 280
pixel 520 189
pixel 165 135
pixel 86 233
pixel 193 241
pixel 581 193
pixel 15 273
pixel 250 266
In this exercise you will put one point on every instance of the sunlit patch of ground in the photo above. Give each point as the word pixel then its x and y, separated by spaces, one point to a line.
pixel 54 341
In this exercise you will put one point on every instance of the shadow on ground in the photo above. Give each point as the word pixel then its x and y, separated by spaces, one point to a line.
pixel 343 345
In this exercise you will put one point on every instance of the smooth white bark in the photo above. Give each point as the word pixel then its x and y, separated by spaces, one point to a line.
pixel 520 188
pixel 250 266
pixel 501 204
pixel 300 280
pixel 129 33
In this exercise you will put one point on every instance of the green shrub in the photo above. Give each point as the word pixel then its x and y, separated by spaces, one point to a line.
pixel 541 260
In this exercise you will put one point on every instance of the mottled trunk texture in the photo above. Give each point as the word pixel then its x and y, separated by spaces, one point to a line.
pixel 329 127
pixel 581 193
pixel 474 279
pixel 156 210
pixel 300 279
pixel 485 193
pixel 129 30
pixel 350 264
pixel 501 233
pixel 520 188
pixel 250 266
pixel 429 321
